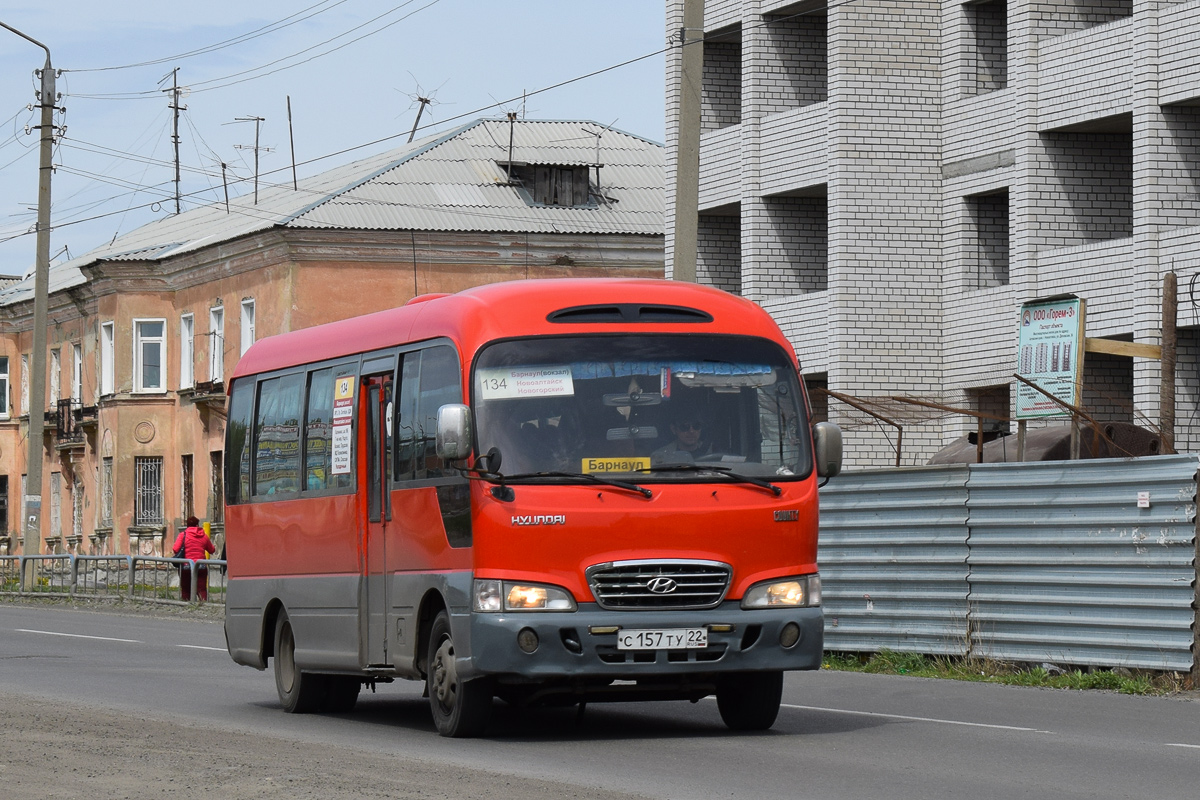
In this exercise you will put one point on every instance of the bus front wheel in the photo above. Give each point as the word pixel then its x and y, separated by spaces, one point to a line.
pixel 460 707
pixel 749 701
pixel 299 692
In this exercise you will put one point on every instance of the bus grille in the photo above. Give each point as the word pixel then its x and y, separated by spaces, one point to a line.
pixel 653 585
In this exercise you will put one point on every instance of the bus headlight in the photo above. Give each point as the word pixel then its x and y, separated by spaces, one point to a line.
pixel 494 595
pixel 798 592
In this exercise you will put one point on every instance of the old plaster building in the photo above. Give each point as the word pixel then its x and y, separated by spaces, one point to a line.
pixel 891 180
pixel 144 331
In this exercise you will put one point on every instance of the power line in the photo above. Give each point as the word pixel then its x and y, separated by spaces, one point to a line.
pixel 207 87
pixel 278 25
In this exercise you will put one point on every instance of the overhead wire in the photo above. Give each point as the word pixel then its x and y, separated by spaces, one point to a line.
pixel 226 80
pixel 278 25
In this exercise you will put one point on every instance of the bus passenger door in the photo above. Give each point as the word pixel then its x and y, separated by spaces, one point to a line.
pixel 377 402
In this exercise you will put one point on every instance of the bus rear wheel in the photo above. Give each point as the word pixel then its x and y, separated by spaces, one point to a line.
pixel 341 693
pixel 299 692
pixel 460 707
pixel 749 701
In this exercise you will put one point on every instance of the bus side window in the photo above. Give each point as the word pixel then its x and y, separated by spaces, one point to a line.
pixel 237 465
pixel 277 436
pixel 441 383
pixel 403 425
pixel 318 434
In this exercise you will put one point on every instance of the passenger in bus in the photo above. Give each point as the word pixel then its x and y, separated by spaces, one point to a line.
pixel 689 444
pixel 195 543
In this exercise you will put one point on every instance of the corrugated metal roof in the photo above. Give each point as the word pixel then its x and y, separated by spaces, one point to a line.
pixel 453 181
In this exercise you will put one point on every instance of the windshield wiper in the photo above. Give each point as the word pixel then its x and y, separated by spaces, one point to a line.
pixel 720 470
pixel 632 487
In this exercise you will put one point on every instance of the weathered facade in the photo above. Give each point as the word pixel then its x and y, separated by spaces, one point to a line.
pixel 144 331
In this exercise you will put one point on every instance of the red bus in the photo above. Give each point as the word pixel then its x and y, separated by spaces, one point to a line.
pixel 549 492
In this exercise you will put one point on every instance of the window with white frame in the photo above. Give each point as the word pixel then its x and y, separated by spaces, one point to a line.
pixel 187 351
pixel 247 325
pixel 108 373
pixel 216 344
pixel 24 383
pixel 149 355
pixel 55 372
pixel 77 372
pixel 4 409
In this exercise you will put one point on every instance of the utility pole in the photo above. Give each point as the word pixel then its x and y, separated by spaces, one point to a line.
pixel 32 543
pixel 258 121
pixel 687 150
pixel 175 90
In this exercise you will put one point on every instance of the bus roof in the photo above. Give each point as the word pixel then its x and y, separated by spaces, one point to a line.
pixel 475 316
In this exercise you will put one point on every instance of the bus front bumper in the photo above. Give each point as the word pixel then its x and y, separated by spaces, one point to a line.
pixel 584 644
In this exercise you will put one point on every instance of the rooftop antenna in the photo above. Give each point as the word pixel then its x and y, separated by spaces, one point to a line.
pixel 599 135
pixel 422 98
pixel 258 121
pixel 512 123
pixel 292 142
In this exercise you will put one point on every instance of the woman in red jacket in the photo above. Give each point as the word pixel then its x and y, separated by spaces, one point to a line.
pixel 195 544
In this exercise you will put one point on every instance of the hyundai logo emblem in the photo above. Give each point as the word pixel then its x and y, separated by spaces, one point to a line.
pixel 662 585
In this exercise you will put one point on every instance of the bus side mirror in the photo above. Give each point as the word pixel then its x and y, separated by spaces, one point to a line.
pixel 453 432
pixel 827 441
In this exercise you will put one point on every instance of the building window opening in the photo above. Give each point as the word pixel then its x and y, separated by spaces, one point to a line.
pixel 148 501
pixel 551 185
pixel 987 240
pixel 986 47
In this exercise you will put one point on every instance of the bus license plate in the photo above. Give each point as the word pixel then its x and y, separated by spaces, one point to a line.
pixel 667 639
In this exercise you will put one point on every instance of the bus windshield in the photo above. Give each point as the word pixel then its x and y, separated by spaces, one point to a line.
pixel 641 407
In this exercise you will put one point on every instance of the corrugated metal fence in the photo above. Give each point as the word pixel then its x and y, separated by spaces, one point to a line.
pixel 1051 561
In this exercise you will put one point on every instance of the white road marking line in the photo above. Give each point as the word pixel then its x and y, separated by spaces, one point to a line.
pixel 1192 746
pixel 200 647
pixel 915 719
pixel 79 636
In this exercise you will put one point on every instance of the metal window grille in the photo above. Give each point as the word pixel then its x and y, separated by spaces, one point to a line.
pixel 106 493
pixel 77 509
pixel 56 504
pixel 148 506
pixel 216 491
pixel 185 471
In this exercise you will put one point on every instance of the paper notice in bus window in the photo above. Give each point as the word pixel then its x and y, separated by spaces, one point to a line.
pixel 498 383
pixel 630 464
pixel 340 450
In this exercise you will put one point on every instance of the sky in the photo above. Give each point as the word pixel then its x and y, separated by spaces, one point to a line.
pixel 352 69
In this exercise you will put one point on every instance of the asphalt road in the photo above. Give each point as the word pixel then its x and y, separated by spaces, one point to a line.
pixel 83 685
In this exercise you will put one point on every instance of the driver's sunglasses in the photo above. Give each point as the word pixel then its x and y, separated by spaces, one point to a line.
pixel 688 426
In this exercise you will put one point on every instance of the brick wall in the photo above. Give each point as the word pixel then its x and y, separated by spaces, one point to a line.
pixel 721 95
pixel 719 252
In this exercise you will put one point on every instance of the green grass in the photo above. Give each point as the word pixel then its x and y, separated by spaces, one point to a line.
pixel 888 662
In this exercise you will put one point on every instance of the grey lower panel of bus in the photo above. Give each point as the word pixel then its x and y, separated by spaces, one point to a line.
pixel 566 648
pixel 329 618
pixel 335 628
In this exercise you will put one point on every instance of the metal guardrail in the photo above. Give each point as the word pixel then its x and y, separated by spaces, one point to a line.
pixel 147 578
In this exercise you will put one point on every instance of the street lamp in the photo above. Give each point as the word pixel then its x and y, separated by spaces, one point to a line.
pixel 41 284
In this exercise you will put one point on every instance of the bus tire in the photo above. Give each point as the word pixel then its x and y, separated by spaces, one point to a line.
pixel 299 692
pixel 341 693
pixel 460 707
pixel 749 701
